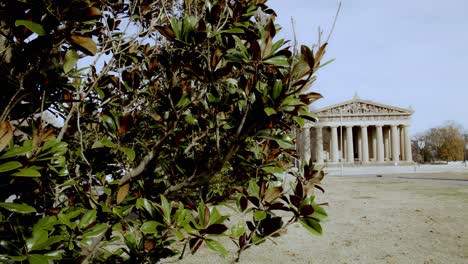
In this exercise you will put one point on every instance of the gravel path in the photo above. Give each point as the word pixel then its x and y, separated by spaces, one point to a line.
pixel 376 220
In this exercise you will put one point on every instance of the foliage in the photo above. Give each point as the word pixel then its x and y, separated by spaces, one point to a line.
pixel 184 107
pixel 445 143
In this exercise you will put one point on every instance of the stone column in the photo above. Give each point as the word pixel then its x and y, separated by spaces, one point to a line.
pixel 374 145
pixel 349 144
pixel 359 144
pixel 365 144
pixel 319 146
pixel 334 144
pixel 306 142
pixel 395 144
pixel 408 154
pixel 401 133
pixel 380 144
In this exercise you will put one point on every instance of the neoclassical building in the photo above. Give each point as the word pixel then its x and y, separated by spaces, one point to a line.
pixel 358 132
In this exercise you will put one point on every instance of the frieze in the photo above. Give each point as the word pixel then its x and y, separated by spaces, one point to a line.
pixel 354 108
pixel 364 118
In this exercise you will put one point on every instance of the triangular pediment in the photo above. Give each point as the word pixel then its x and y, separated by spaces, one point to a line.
pixel 358 107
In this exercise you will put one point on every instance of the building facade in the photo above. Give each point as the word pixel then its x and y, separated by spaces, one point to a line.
pixel 358 132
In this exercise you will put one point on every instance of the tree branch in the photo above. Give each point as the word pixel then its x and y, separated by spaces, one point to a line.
pixel 149 157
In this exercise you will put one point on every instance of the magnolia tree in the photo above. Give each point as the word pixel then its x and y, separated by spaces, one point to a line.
pixel 168 111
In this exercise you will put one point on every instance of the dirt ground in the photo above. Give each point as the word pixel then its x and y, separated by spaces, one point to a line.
pixel 376 220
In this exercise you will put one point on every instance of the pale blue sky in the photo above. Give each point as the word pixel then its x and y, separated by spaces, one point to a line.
pixel 399 52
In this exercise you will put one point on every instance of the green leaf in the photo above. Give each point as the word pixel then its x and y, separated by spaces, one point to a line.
pixel 28 172
pixel 129 152
pixel 105 142
pixel 183 102
pixel 88 218
pixel 281 61
pixel 18 151
pixel 39 237
pixel 269 111
pixel 34 27
pixel 166 208
pixel 259 215
pixel 71 58
pixel 232 31
pixel 311 225
pixel 46 223
pixel 216 247
pixel 272 169
pixel 150 227
pixel 319 212
pixel 277 89
pixel 143 203
pixel 18 208
pixel 16 258
pixel 95 231
pixel 54 255
pixel 9 166
pixel 212 99
pixel 238 229
pixel 38 259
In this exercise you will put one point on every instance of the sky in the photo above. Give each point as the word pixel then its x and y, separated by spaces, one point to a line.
pixel 400 52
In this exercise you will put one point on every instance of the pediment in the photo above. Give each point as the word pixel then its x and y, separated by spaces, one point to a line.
pixel 358 107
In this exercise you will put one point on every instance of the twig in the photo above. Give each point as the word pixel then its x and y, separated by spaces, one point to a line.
pixel 146 160
pixel 334 22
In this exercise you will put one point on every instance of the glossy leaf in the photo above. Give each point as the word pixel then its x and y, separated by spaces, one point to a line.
pixel 311 225
pixel 129 152
pixel 9 166
pixel 38 259
pixel 34 27
pixel 28 172
pixel 71 58
pixel 216 247
pixel 18 208
pixel 87 219
pixel 150 227
pixel 39 237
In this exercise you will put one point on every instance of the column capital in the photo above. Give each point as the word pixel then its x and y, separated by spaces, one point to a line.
pixel 378 125
pixel 394 125
pixel 363 126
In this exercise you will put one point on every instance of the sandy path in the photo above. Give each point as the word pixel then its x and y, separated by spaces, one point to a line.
pixel 375 220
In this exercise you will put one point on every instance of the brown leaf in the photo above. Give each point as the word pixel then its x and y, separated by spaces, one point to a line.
pixel 149 244
pixel 93 12
pixel 261 190
pixel 310 97
pixel 166 32
pixel 214 229
pixel 123 192
pixel 273 194
pixel 85 44
pixel 319 54
pixel 6 134
pixel 308 56
pixel 307 210
pixel 207 215
pixel 195 244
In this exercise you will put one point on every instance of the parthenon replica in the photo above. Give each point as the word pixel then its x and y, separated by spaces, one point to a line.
pixel 357 132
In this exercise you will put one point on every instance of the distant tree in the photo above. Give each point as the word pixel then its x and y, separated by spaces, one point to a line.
pixel 445 142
